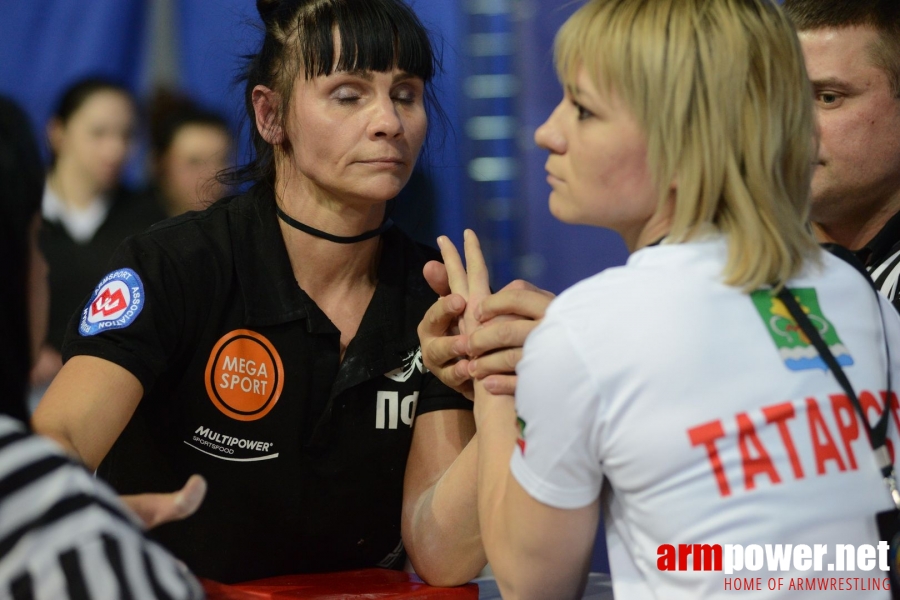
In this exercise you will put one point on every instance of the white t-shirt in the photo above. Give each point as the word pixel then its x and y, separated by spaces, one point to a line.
pixel 644 375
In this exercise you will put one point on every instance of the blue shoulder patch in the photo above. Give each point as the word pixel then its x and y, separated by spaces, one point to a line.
pixel 117 301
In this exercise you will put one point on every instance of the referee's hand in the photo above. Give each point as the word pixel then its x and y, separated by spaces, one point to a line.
pixel 156 509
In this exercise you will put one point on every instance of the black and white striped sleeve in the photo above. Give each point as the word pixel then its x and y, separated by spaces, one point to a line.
pixel 65 534
pixel 886 276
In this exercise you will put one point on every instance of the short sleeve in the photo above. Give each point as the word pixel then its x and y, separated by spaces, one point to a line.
pixel 435 395
pixel 557 459
pixel 135 315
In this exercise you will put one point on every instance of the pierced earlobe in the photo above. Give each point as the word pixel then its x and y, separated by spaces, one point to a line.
pixel 266 103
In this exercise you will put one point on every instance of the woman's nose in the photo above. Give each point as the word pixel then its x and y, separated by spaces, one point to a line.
pixel 386 121
pixel 549 136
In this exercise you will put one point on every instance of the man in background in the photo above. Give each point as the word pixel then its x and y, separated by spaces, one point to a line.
pixel 852 52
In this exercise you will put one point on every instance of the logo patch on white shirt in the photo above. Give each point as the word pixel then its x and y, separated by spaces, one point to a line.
pixel 794 348
pixel 115 303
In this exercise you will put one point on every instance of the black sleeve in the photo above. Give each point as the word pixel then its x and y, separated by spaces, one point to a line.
pixel 135 315
pixel 435 395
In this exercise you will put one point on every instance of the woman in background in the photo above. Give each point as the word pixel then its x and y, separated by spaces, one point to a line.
pixel 189 146
pixel 87 211
pixel 63 533
pixel 678 393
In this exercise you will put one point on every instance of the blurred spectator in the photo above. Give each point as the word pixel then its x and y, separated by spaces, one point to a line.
pixel 65 532
pixel 21 185
pixel 189 147
pixel 87 212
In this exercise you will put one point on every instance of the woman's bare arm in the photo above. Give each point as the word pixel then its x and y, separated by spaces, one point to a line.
pixel 440 519
pixel 87 406
pixel 85 410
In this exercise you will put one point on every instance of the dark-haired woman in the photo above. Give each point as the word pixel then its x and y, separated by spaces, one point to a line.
pixel 87 212
pixel 190 146
pixel 269 343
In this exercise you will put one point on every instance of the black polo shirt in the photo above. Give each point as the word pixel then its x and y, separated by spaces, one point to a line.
pixel 881 256
pixel 304 453
pixel 75 267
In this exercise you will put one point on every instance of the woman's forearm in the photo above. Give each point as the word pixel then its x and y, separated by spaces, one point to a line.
pixel 442 534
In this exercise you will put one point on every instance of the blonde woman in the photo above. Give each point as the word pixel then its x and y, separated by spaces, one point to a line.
pixel 676 393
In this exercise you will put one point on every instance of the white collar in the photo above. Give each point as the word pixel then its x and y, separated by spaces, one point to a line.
pixel 80 224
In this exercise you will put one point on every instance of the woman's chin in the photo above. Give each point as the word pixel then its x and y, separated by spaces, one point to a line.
pixel 558 210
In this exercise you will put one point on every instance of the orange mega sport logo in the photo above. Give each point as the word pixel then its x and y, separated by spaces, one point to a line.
pixel 244 375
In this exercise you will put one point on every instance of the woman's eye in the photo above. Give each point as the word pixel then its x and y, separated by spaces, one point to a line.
pixel 405 96
pixel 583 113
pixel 346 95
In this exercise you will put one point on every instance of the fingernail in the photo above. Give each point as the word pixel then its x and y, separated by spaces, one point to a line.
pixel 489 384
pixel 456 304
pixel 188 502
pixel 477 312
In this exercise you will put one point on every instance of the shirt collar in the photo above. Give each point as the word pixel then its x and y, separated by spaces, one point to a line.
pixel 80 224
pixel 271 295
pixel 880 246
pixel 387 332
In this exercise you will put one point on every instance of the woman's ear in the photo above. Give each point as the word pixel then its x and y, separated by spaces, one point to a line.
pixel 266 107
pixel 55 135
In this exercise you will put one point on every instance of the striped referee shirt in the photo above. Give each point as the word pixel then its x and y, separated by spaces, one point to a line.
pixel 65 534
pixel 882 259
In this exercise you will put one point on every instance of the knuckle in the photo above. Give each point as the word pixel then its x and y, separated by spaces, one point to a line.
pixel 475 342
pixel 428 357
pixel 513 357
pixel 508 384
pixel 505 333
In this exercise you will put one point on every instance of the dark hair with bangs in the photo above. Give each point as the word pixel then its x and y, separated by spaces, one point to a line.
pixel 79 92
pixel 170 112
pixel 375 35
pixel 74 96
pixel 881 15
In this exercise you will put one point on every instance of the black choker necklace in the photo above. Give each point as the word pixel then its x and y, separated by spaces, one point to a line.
pixel 331 237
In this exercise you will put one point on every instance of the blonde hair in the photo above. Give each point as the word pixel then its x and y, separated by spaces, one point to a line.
pixel 720 89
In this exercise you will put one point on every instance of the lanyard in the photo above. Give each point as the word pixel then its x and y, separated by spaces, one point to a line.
pixel 877 434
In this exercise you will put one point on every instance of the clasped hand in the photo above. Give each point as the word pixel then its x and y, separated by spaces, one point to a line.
pixel 471 334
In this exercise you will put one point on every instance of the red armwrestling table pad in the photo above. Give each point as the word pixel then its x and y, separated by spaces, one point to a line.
pixel 369 584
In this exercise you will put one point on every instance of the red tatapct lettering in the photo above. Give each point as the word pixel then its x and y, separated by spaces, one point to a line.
pixel 780 414
pixel 753 465
pixel 847 424
pixel 822 440
pixel 706 435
